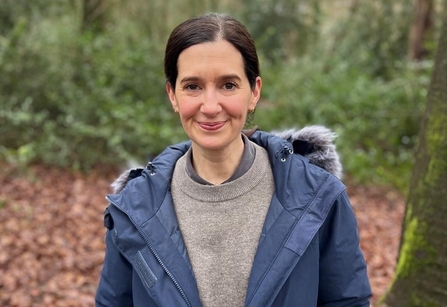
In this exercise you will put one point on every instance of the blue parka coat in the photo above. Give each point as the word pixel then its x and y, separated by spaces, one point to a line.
pixel 308 254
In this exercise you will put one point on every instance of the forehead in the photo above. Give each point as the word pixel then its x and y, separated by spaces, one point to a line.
pixel 220 54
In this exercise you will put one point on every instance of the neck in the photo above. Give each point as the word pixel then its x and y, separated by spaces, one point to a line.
pixel 217 166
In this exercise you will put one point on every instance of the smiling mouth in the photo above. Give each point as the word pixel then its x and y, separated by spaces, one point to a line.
pixel 211 126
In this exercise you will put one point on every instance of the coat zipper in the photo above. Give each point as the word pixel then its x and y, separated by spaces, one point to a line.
pixel 179 288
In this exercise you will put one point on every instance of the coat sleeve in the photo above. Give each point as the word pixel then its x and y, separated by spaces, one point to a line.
pixel 115 285
pixel 343 272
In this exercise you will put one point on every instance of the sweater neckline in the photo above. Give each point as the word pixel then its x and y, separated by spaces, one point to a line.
pixel 225 191
pixel 248 157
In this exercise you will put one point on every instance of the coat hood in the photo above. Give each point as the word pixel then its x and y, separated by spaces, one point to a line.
pixel 316 143
pixel 313 142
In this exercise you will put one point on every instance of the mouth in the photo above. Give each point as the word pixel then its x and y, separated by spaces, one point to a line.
pixel 211 126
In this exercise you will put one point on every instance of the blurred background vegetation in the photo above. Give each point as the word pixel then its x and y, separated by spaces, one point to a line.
pixel 82 84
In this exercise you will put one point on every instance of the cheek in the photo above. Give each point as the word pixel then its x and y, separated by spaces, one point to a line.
pixel 188 108
pixel 237 108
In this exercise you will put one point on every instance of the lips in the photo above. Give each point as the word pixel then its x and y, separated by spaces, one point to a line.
pixel 211 126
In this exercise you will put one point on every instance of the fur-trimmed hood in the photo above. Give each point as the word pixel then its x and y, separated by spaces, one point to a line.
pixel 313 142
pixel 317 144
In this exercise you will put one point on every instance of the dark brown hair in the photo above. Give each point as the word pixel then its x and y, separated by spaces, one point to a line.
pixel 210 28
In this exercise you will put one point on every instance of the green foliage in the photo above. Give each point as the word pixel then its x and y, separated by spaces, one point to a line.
pixel 74 98
pixel 375 37
pixel 78 90
pixel 377 121
pixel 356 81
pixel 283 29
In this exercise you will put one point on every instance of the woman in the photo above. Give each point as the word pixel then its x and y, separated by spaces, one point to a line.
pixel 223 219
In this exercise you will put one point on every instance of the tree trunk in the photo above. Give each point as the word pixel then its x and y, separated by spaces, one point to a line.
pixel 422 23
pixel 421 273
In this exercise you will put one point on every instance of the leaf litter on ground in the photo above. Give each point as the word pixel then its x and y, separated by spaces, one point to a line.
pixel 52 234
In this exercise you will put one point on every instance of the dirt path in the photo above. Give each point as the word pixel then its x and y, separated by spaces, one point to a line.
pixel 51 243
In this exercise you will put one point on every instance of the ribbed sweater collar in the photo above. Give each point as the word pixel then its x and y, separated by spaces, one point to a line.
pixel 225 191
pixel 248 157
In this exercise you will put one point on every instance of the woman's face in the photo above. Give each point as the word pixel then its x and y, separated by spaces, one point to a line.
pixel 212 95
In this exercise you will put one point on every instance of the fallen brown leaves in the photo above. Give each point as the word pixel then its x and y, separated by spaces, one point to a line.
pixel 379 212
pixel 52 248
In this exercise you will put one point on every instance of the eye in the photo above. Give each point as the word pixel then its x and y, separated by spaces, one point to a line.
pixel 229 86
pixel 191 87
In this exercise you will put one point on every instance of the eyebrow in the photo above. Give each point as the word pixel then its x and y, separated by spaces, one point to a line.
pixel 220 78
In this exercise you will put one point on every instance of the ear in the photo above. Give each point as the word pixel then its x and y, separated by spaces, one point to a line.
pixel 171 95
pixel 255 94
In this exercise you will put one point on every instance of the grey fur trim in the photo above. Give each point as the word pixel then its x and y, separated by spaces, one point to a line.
pixel 119 184
pixel 324 154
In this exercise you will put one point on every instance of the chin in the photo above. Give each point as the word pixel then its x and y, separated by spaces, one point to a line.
pixel 214 146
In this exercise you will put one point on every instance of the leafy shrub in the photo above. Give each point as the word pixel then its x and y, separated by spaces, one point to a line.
pixel 377 121
pixel 79 99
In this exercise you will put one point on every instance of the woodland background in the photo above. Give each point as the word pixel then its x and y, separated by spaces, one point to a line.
pixel 82 96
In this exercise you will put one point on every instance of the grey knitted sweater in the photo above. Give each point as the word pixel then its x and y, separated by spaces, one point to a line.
pixel 221 226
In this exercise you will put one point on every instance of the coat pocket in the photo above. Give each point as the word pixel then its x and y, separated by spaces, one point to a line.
pixel 144 271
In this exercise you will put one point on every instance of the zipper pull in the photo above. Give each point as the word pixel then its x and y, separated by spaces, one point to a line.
pixel 285 152
pixel 151 168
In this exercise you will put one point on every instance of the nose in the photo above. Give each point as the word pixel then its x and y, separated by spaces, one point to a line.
pixel 210 105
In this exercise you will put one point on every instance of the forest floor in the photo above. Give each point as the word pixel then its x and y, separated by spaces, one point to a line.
pixel 52 235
